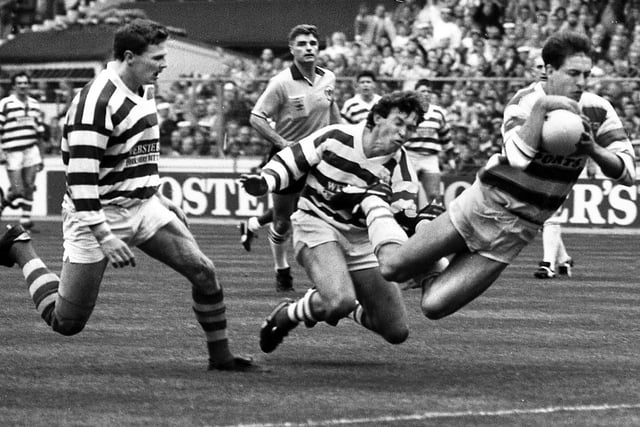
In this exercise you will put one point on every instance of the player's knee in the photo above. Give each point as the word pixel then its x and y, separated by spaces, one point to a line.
pixel 69 318
pixel 201 272
pixel 282 226
pixel 68 327
pixel 397 334
pixel 338 307
pixel 391 271
pixel 434 308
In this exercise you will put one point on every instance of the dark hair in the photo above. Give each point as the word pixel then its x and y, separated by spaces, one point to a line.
pixel 20 74
pixel 562 44
pixel 366 73
pixel 304 29
pixel 136 36
pixel 405 101
pixel 422 82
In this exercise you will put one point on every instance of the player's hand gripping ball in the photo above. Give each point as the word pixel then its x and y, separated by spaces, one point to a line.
pixel 561 132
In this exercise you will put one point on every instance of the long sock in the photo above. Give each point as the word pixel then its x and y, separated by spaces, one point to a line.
pixel 43 287
pixel 279 248
pixel 210 312
pixel 253 224
pixel 550 243
pixel 562 255
pixel 360 316
pixel 26 207
pixel 302 310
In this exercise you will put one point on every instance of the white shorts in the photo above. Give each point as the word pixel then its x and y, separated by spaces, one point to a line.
pixel 424 164
pixel 20 159
pixel 311 231
pixel 487 227
pixel 133 225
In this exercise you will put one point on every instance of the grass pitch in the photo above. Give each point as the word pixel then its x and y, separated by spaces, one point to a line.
pixel 527 352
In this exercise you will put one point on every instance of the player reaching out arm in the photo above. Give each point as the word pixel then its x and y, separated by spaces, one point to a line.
pixel 342 165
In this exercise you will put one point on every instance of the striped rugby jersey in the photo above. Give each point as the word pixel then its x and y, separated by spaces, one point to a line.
pixel 356 110
pixel 332 158
pixel 535 190
pixel 20 123
pixel 432 135
pixel 110 146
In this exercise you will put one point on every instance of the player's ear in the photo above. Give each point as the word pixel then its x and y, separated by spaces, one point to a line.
pixel 128 55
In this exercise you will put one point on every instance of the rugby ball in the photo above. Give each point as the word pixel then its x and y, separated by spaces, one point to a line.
pixel 561 132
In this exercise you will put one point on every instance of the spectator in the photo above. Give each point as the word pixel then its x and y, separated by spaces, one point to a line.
pixel 176 144
pixel 167 125
pixel 266 66
pixel 188 146
pixel 234 107
pixel 402 36
pixel 466 164
pixel 446 32
pixel 376 25
pixel 337 46
pixel 487 13
pixel 423 34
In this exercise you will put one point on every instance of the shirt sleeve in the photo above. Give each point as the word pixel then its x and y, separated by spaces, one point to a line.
pixel 270 102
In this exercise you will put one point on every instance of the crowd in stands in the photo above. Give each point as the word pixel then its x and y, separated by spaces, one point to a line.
pixel 477 53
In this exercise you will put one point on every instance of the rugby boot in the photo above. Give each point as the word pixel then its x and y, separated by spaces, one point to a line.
pixel 284 281
pixel 246 236
pixel 544 271
pixel 271 335
pixel 15 233
pixel 564 268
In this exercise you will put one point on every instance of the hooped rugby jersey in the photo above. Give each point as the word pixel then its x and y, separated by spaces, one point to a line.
pixel 356 109
pixel 536 190
pixel 110 146
pixel 20 123
pixel 333 158
pixel 433 135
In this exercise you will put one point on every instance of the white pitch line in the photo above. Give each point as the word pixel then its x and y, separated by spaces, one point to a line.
pixel 454 414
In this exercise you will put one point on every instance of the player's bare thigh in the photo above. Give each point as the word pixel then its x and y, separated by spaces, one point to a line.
pixel 326 266
pixel 432 241
pixel 80 283
pixel 468 275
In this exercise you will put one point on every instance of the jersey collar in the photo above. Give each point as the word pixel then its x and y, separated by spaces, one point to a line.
pixel 296 74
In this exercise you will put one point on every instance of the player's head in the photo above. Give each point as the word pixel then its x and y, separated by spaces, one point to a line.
pixel 303 43
pixel 140 44
pixel 366 82
pixel 21 82
pixel 423 89
pixel 568 63
pixel 392 119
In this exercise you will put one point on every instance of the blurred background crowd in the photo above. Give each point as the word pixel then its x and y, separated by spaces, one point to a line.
pixel 476 53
